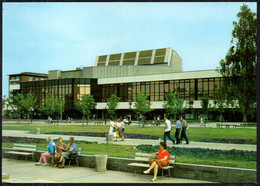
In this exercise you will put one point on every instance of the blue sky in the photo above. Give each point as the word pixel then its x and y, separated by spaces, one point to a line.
pixel 38 37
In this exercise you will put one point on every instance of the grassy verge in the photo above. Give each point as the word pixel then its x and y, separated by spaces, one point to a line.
pixel 194 133
pixel 127 151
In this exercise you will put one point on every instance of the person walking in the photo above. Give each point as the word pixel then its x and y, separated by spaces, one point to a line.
pixel 123 130
pixel 112 129
pixel 178 130
pixel 119 129
pixel 183 131
pixel 167 130
pixel 49 120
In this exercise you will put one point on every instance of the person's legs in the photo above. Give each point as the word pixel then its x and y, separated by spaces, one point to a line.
pixel 151 167
pixel 164 137
pixel 55 161
pixel 170 138
pixel 44 155
pixel 155 172
pixel 177 136
pixel 185 136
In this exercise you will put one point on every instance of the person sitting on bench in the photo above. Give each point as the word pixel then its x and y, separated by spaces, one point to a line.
pixel 60 147
pixel 72 148
pixel 50 153
pixel 162 161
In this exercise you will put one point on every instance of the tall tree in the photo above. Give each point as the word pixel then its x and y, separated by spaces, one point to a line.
pixel 48 107
pixel 85 105
pixel 173 104
pixel 239 66
pixel 59 106
pixel 112 104
pixel 142 105
pixel 26 104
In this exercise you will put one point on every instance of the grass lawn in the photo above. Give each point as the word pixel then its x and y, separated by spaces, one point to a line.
pixel 194 133
pixel 127 151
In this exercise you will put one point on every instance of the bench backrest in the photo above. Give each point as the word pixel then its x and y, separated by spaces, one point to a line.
pixel 24 147
pixel 143 157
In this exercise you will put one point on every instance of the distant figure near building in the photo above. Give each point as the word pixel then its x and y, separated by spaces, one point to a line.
pixel 49 120
pixel 178 130
pixel 158 121
pixel 183 131
pixel 202 121
pixel 69 121
pixel 167 130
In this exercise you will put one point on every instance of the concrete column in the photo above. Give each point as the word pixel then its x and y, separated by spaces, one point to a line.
pixel 153 56
pixel 121 59
pixel 168 56
pixel 108 56
pixel 136 57
pixel 96 62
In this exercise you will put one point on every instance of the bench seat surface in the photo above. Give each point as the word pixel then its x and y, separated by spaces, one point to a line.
pixel 146 165
pixel 21 153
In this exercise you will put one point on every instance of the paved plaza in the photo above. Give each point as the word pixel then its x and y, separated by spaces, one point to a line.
pixel 135 142
pixel 26 172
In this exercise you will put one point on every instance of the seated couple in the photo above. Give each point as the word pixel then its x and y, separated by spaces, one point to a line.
pixel 58 152
pixel 162 161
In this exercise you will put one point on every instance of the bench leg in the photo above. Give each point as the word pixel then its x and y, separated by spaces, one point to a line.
pixel 135 171
pixel 77 162
pixel 162 172
pixel 169 172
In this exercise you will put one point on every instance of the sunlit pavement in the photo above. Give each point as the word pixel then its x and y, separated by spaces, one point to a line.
pixel 21 171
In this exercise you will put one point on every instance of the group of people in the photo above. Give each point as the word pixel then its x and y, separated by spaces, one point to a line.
pixel 180 132
pixel 117 128
pixel 58 152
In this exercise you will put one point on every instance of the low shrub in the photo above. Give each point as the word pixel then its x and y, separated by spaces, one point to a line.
pixel 204 153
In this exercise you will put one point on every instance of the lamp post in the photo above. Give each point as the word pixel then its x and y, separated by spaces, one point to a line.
pixel 105 115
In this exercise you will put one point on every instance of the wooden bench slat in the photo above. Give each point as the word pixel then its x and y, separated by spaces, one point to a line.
pixel 23 149
pixel 24 145
pixel 21 153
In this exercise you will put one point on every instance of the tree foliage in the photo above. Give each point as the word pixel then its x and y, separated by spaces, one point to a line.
pixel 25 104
pixel 142 105
pixel 239 66
pixel 174 104
pixel 85 105
pixel 112 104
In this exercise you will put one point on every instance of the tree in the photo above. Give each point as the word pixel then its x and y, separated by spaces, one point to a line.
pixel 48 107
pixel 239 66
pixel 205 106
pixel 3 102
pixel 112 104
pixel 59 106
pixel 85 105
pixel 221 103
pixel 25 104
pixel 142 105
pixel 173 104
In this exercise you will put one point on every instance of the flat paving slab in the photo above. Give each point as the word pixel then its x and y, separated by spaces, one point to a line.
pixel 135 142
pixel 26 172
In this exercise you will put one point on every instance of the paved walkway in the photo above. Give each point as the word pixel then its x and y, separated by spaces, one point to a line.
pixel 221 146
pixel 26 172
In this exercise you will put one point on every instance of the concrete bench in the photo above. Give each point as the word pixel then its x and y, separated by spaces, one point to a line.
pixel 144 158
pixel 98 123
pixel 22 149
pixel 226 125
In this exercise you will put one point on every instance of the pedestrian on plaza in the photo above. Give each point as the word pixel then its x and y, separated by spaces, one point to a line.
pixel 201 121
pixel 130 120
pixel 49 120
pixel 50 153
pixel 167 130
pixel 158 121
pixel 125 121
pixel 69 121
pixel 178 130
pixel 183 131
pixel 123 130
pixel 112 129
pixel 118 129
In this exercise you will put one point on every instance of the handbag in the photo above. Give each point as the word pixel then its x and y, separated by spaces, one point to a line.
pixel 114 129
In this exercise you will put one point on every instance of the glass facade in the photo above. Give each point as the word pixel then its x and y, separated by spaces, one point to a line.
pixel 70 90
pixel 189 89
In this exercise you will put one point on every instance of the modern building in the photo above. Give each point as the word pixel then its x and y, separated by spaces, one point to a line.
pixel 153 72
pixel 16 79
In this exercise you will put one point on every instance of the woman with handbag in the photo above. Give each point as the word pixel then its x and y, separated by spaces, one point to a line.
pixel 162 161
pixel 112 129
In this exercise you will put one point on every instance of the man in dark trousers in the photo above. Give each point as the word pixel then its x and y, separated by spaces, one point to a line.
pixel 178 130
pixel 183 131
pixel 167 130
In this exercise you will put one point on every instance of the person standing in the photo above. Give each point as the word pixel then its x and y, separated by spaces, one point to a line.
pixel 49 120
pixel 178 130
pixel 112 129
pixel 123 130
pixel 119 128
pixel 167 130
pixel 158 121
pixel 183 131
pixel 201 121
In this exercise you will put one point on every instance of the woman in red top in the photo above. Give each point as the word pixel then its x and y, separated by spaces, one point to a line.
pixel 162 161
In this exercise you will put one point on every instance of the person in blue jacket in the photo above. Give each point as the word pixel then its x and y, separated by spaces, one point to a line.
pixel 50 153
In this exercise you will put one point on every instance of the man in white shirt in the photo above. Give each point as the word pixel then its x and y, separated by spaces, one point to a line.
pixel 167 130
